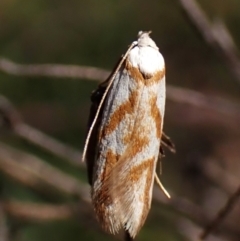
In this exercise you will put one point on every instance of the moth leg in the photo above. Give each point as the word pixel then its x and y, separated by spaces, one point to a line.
pixel 160 156
pixel 167 142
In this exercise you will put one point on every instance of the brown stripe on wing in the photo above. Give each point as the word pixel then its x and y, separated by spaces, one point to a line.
pixel 114 162
pixel 149 183
pixel 137 137
pixel 136 144
pixel 135 172
pixel 111 160
pixel 147 80
pixel 155 113
pixel 119 114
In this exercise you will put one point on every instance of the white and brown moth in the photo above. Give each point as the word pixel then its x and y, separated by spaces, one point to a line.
pixel 125 135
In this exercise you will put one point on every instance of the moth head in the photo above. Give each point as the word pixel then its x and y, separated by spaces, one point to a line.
pixel 144 40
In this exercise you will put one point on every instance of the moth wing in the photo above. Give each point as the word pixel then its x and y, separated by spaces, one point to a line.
pixel 131 179
pixel 165 142
pixel 96 98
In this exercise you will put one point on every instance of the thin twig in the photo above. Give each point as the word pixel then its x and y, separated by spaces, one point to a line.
pixel 12 119
pixel 52 70
pixel 49 143
pixel 222 214
pixel 216 35
pixel 35 173
pixel 199 100
pixel 40 212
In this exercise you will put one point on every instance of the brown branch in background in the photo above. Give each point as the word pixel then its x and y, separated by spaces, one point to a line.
pixel 52 70
pixel 35 173
pixel 40 212
pixel 37 212
pixel 216 35
pixel 48 143
pixel 13 120
pixel 222 214
pixel 197 99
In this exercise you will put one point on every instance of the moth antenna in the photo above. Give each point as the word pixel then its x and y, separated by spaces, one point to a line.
pixel 161 186
pixel 102 100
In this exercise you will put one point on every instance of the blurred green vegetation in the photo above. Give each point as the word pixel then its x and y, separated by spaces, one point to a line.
pixel 96 33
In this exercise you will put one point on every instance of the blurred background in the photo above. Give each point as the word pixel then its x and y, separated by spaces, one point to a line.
pixel 44 110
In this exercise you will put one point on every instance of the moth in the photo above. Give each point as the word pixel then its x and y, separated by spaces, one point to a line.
pixel 125 138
